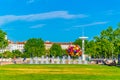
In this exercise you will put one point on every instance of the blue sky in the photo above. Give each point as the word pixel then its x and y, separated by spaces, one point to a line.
pixel 57 20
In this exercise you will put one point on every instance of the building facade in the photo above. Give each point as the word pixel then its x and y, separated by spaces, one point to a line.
pixel 64 45
pixel 20 46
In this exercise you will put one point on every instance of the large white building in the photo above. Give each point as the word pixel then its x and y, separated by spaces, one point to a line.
pixel 20 46
pixel 13 46
pixel 16 46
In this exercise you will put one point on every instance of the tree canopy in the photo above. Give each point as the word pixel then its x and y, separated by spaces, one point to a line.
pixel 7 54
pixel 56 50
pixel 78 42
pixel 106 45
pixel 16 53
pixel 34 47
pixel 3 41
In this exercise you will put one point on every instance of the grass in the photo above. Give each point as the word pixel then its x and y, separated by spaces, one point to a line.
pixel 59 72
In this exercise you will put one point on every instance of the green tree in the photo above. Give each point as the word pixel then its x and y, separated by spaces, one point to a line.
pixel 7 54
pixel 78 42
pixel 106 45
pixel 117 41
pixel 64 52
pixel 34 47
pixel 3 41
pixel 91 48
pixel 1 55
pixel 56 50
pixel 16 53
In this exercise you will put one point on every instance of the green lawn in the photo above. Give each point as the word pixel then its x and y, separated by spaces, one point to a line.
pixel 59 72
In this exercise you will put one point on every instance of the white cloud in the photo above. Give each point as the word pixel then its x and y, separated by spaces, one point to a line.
pixel 91 24
pixel 41 16
pixel 86 25
pixel 37 26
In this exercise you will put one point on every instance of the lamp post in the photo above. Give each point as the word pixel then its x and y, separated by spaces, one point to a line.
pixel 83 46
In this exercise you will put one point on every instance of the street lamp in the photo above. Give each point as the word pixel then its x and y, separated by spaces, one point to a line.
pixel 83 46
